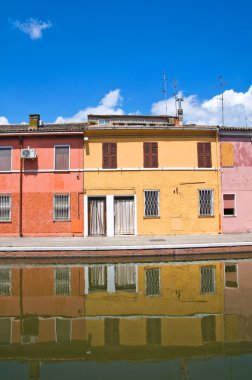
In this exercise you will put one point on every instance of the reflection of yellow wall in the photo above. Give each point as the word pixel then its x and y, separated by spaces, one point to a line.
pixel 178 188
pixel 179 294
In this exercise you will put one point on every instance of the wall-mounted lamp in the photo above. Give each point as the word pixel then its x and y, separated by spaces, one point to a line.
pixel 85 138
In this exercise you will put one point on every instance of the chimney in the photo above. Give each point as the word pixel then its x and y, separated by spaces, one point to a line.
pixel 34 121
pixel 180 110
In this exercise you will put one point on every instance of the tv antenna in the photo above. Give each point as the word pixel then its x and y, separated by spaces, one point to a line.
pixel 165 93
pixel 222 84
pixel 175 83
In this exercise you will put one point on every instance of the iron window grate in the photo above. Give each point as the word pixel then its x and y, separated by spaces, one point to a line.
pixel 206 202
pixel 151 203
pixel 62 282
pixel 5 282
pixel 5 208
pixel 207 280
pixel 152 281
pixel 61 207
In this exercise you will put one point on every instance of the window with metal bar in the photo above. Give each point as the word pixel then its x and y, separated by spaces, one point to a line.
pixel 231 276
pixel 5 282
pixel 206 202
pixel 61 207
pixel 151 203
pixel 152 281
pixel 5 207
pixel 62 154
pixel 5 159
pixel 207 280
pixel 62 281
pixel 125 277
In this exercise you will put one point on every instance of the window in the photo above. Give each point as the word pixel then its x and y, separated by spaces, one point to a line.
pixel 109 155
pixel 204 155
pixel 150 150
pixel 97 276
pixel 5 207
pixel 153 331
pixel 111 331
pixel 207 280
pixel 61 207
pixel 125 277
pixel 227 154
pixel 5 159
pixel 62 282
pixel 231 276
pixel 152 281
pixel 63 330
pixel 62 157
pixel 151 203
pixel 208 329
pixel 103 122
pixel 5 282
pixel 206 202
pixel 229 205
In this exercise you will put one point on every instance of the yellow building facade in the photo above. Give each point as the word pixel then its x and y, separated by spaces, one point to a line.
pixel 170 194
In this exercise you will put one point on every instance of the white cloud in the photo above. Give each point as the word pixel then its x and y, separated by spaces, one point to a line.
pixel 3 120
pixel 33 27
pixel 109 105
pixel 237 106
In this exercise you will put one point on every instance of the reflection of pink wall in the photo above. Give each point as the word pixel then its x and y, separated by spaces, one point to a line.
pixel 238 180
pixel 239 300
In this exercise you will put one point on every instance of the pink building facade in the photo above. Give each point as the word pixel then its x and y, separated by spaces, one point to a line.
pixel 236 179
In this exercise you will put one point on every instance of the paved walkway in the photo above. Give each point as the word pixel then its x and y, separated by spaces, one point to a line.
pixel 116 243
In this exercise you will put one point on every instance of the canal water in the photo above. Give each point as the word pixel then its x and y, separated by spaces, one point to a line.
pixel 134 320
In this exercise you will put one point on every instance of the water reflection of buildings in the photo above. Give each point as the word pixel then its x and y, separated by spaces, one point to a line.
pixel 106 305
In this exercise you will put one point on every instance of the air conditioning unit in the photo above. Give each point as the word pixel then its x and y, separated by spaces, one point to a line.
pixel 28 153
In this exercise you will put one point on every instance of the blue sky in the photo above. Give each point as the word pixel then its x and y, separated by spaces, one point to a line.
pixel 89 49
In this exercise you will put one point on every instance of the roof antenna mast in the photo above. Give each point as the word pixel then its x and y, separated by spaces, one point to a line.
pixel 165 93
pixel 222 83
pixel 175 83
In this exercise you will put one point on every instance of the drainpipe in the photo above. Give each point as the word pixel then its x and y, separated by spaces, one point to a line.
pixel 21 190
pixel 219 181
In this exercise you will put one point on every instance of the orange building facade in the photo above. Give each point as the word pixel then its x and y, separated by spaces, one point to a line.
pixel 41 187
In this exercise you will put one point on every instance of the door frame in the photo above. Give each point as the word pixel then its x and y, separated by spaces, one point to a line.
pixel 88 213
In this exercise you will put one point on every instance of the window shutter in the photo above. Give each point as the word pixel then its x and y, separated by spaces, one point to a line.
pixel 204 155
pixel 200 147
pixel 113 155
pixel 208 155
pixel 105 154
pixel 154 155
pixel 147 160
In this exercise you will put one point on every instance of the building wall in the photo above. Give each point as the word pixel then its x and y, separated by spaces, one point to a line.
pixel 40 183
pixel 237 179
pixel 178 179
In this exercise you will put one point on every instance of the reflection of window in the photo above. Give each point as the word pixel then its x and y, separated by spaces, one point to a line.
pixel 63 330
pixel 206 202
pixel 231 280
pixel 229 205
pixel 62 282
pixel 207 280
pixel 111 331
pixel 208 329
pixel 97 277
pixel 153 331
pixel 125 277
pixel 5 207
pixel 61 207
pixel 5 282
pixel 152 281
pixel 5 331
pixel 151 203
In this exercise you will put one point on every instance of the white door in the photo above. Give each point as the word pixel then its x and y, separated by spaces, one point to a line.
pixel 97 209
pixel 124 216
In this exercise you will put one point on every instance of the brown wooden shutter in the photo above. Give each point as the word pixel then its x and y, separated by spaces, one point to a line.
pixel 204 155
pixel 208 155
pixel 154 163
pixel 147 154
pixel 113 155
pixel 105 155
pixel 200 147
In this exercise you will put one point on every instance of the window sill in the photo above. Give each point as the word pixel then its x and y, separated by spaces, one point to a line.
pixel 62 171
pixel 229 216
pixel 206 216
pixel 5 221
pixel 61 220
pixel 151 217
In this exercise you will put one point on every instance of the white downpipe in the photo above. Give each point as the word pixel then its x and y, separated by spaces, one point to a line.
pixel 85 215
pixel 111 279
pixel 110 215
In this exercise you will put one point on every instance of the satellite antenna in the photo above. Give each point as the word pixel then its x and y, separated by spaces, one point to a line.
pixel 165 93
